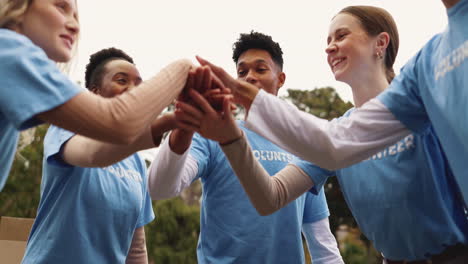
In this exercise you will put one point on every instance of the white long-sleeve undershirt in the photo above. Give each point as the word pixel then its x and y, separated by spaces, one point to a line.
pixel 321 243
pixel 329 144
pixel 170 173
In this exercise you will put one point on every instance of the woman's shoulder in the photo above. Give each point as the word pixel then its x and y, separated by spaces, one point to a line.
pixel 17 48
pixel 11 38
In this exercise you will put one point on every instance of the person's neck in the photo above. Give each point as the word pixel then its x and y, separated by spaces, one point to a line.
pixel 450 3
pixel 365 89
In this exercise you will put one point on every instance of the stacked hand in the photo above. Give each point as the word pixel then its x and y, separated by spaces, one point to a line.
pixel 243 92
pixel 205 82
pixel 208 122
pixel 206 107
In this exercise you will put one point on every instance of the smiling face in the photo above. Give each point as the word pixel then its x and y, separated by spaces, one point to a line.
pixel 351 51
pixel 53 26
pixel 258 68
pixel 118 77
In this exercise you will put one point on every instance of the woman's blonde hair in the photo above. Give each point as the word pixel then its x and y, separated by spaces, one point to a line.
pixel 11 11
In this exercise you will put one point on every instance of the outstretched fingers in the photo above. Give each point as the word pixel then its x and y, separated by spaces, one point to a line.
pixel 227 108
pixel 217 83
pixel 207 80
pixel 199 77
pixel 222 75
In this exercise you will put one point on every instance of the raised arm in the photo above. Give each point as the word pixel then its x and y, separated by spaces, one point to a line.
pixel 170 173
pixel 174 169
pixel 121 119
pixel 267 194
pixel 87 152
pixel 328 144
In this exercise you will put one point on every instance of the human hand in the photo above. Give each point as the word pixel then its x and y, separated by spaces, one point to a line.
pixel 204 119
pixel 244 93
pixel 216 98
pixel 203 80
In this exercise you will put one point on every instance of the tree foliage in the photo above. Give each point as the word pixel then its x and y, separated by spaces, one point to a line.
pixel 20 197
pixel 173 236
pixel 323 102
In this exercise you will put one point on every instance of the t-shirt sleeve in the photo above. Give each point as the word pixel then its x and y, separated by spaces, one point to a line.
pixel 318 175
pixel 54 141
pixel 30 83
pixel 403 98
pixel 315 207
pixel 200 150
pixel 147 214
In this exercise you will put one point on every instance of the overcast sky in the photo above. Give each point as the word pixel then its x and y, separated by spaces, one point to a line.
pixel 155 33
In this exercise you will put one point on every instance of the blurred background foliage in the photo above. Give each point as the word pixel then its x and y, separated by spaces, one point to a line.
pixel 173 236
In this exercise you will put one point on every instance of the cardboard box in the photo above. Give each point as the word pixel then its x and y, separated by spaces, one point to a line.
pixel 14 233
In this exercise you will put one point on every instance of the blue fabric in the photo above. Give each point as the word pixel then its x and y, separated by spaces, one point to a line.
pixel 315 209
pixel 403 198
pixel 432 88
pixel 231 229
pixel 87 215
pixel 30 83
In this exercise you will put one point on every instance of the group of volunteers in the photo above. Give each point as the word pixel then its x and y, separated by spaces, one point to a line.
pixel 399 155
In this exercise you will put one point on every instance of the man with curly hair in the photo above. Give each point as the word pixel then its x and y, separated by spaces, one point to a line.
pixel 231 229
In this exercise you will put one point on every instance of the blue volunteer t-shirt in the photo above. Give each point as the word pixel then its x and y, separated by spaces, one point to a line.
pixel 432 88
pixel 312 212
pixel 403 198
pixel 87 215
pixel 231 229
pixel 30 83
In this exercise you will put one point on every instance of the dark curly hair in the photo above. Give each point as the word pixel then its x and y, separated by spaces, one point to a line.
pixel 97 61
pixel 257 40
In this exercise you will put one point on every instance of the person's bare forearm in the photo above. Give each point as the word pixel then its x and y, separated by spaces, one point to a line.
pixel 245 94
pixel 180 140
pixel 138 253
pixel 161 125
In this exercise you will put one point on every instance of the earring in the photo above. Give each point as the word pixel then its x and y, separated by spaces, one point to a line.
pixel 379 55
